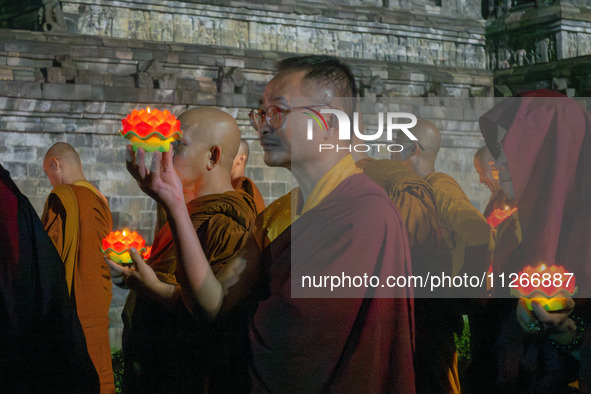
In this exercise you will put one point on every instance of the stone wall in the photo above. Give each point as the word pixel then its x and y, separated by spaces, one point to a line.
pixel 103 58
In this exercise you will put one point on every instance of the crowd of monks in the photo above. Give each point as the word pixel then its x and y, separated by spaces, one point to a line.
pixel 213 309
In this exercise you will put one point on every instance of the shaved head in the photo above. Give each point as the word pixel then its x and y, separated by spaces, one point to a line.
pixel 483 155
pixel 206 154
pixel 239 165
pixel 483 163
pixel 64 151
pixel 429 137
pixel 211 127
pixel 420 155
pixel 62 164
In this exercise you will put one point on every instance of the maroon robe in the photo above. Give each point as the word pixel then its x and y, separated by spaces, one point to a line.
pixel 307 345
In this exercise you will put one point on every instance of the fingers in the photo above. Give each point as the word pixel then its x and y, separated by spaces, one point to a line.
pixel 526 318
pixel 555 321
pixel 137 259
pixel 156 160
pixel 167 161
pixel 141 164
pixel 116 268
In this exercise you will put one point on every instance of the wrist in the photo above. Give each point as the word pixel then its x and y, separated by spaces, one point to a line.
pixel 571 339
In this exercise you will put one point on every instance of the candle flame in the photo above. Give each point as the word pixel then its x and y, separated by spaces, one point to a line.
pixel 542 267
pixel 148 108
pixel 124 234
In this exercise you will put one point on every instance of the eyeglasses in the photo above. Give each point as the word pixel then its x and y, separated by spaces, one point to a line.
pixel 274 115
pixel 400 141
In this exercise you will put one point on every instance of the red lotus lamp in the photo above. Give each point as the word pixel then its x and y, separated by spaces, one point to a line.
pixel 151 130
pixel 117 245
pixel 549 286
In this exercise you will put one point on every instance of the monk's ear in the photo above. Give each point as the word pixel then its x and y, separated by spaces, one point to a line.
pixel 215 153
pixel 333 126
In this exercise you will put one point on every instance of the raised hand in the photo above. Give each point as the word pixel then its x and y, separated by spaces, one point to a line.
pixel 161 181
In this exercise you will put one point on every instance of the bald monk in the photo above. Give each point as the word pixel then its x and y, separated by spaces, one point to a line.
pixel 465 229
pixel 77 218
pixel 240 181
pixel 166 348
pixel 483 163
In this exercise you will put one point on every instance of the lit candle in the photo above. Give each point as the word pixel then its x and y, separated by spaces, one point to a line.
pixel 117 245
pixel 499 215
pixel 151 129
pixel 147 253
pixel 549 286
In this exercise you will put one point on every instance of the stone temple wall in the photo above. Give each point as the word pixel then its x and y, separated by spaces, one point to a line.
pixel 103 58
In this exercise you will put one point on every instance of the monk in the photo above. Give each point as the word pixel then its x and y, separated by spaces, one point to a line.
pixel 484 163
pixel 540 142
pixel 341 221
pixel 435 358
pixel 42 346
pixel 239 179
pixel 465 229
pixel 77 218
pixel 168 347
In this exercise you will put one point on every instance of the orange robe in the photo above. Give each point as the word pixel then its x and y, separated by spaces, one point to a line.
pixel 466 230
pixel 436 319
pixel 165 347
pixel 77 218
pixel 247 186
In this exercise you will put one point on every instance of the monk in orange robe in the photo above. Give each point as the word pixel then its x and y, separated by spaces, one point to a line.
pixel 464 227
pixel 242 182
pixel 169 346
pixel 77 218
pixel 489 176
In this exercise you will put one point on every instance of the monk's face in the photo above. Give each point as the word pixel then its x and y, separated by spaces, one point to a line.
pixel 485 174
pixel 504 176
pixel 190 159
pixel 286 144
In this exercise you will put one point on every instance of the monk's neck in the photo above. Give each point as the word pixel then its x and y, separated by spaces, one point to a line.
pixel 308 174
pixel 424 168
pixel 207 187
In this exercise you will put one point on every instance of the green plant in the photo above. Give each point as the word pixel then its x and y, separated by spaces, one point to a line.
pixel 117 360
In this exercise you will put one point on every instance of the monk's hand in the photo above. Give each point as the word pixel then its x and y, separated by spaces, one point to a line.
pixel 230 274
pixel 558 324
pixel 161 181
pixel 139 277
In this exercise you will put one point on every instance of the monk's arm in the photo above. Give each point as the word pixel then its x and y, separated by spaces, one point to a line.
pixel 198 283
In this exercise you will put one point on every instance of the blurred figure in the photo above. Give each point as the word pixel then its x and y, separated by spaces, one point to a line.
pixel 484 164
pixel 243 183
pixel 42 347
pixel 77 218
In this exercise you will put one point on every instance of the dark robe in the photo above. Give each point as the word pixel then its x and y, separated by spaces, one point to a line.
pixel 165 347
pixel 42 346
pixel 311 345
pixel 436 319
pixel 547 146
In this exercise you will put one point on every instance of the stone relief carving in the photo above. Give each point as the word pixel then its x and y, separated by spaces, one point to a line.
pixel 230 80
pixel 51 17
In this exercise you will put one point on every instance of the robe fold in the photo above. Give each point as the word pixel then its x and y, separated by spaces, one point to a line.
pixel 311 345
pixel 246 185
pixel 77 218
pixel 436 319
pixel 165 348
pixel 42 345
pixel 465 229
